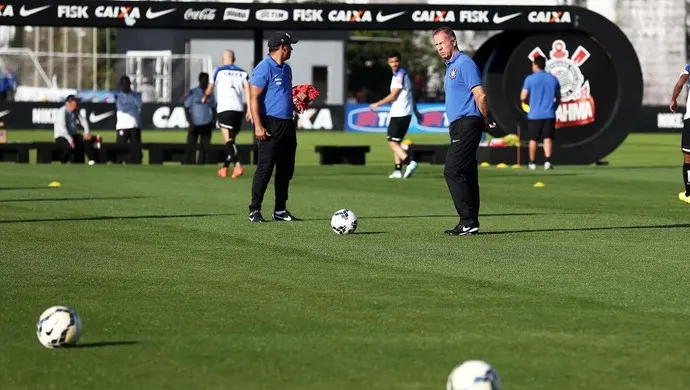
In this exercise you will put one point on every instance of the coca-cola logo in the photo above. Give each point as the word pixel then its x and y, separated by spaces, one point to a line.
pixel 204 14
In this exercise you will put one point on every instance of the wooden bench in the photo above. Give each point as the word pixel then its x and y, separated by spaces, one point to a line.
pixel 15 152
pixel 355 155
pixel 432 154
pixel 118 153
pixel 177 152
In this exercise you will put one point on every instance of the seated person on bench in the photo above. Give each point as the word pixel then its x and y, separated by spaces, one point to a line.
pixel 65 132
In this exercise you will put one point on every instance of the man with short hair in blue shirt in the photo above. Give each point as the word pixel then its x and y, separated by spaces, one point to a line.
pixel 467 110
pixel 274 126
pixel 542 91
pixel 201 117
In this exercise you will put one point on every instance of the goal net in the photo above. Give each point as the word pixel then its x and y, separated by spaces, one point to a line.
pixel 50 76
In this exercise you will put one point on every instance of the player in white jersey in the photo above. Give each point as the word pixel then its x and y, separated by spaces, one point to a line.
pixel 230 83
pixel 402 107
pixel 685 138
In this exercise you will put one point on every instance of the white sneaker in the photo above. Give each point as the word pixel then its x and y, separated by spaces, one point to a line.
pixel 532 166
pixel 396 175
pixel 91 162
pixel 410 168
pixel 547 166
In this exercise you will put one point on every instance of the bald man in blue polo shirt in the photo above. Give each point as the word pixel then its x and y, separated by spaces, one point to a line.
pixel 467 110
pixel 274 126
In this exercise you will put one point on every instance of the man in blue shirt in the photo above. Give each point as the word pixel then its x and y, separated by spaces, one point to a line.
pixel 274 126
pixel 467 111
pixel 201 118
pixel 542 91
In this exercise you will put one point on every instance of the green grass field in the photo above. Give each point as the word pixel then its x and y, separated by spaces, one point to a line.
pixel 582 284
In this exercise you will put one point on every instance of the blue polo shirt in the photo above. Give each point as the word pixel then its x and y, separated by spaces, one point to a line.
pixel 542 87
pixel 201 113
pixel 462 74
pixel 276 80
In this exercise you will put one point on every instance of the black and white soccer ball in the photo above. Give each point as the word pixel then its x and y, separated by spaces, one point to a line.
pixel 473 375
pixel 58 326
pixel 344 222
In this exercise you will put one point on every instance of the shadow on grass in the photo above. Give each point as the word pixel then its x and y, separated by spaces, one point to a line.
pixel 438 216
pixel 102 344
pixel 114 218
pixel 585 229
pixel 360 233
pixel 74 199
pixel 25 188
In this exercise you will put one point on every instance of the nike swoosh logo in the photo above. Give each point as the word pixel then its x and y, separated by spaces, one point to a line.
pixel 4 113
pixel 93 118
pixel 456 140
pixel 505 18
pixel 28 12
pixel 384 18
pixel 150 14
pixel 51 331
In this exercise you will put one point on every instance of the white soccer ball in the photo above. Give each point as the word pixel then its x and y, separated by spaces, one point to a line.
pixel 58 326
pixel 344 222
pixel 473 375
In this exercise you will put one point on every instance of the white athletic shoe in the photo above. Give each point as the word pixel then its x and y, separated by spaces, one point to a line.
pixel 410 169
pixel 396 175
pixel 532 166
pixel 547 166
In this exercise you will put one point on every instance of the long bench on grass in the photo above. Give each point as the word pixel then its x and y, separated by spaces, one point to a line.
pixel 16 152
pixel 432 154
pixel 355 155
pixel 177 152
pixel 48 152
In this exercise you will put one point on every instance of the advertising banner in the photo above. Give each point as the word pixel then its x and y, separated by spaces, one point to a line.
pixel 102 116
pixel 359 118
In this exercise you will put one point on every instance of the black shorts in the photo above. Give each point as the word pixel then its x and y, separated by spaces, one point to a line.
pixel 539 129
pixel 397 127
pixel 685 138
pixel 231 121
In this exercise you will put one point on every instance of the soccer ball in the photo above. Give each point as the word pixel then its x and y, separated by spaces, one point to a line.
pixel 344 222
pixel 58 326
pixel 473 375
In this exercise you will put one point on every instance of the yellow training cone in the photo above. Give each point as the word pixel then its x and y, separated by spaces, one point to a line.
pixel 501 166
pixel 516 166
pixel 54 184
pixel 484 164
pixel 538 185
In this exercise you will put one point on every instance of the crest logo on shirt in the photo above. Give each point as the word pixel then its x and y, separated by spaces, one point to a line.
pixel 577 103
pixel 453 73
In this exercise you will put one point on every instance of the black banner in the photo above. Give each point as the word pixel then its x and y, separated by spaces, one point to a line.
pixel 145 14
pixel 103 116
pixel 658 119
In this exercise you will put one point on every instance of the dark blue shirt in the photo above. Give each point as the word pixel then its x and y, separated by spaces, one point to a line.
pixel 462 75
pixel 542 87
pixel 276 80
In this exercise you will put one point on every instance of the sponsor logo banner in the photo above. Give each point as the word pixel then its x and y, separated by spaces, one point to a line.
pixel 144 14
pixel 359 118
pixel 102 116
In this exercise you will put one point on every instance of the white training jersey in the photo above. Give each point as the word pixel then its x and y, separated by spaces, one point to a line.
pixel 128 110
pixel 229 81
pixel 686 70
pixel 402 106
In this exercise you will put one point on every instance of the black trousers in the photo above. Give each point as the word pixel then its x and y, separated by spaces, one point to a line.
pixel 277 151
pixel 68 154
pixel 461 171
pixel 131 136
pixel 204 134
